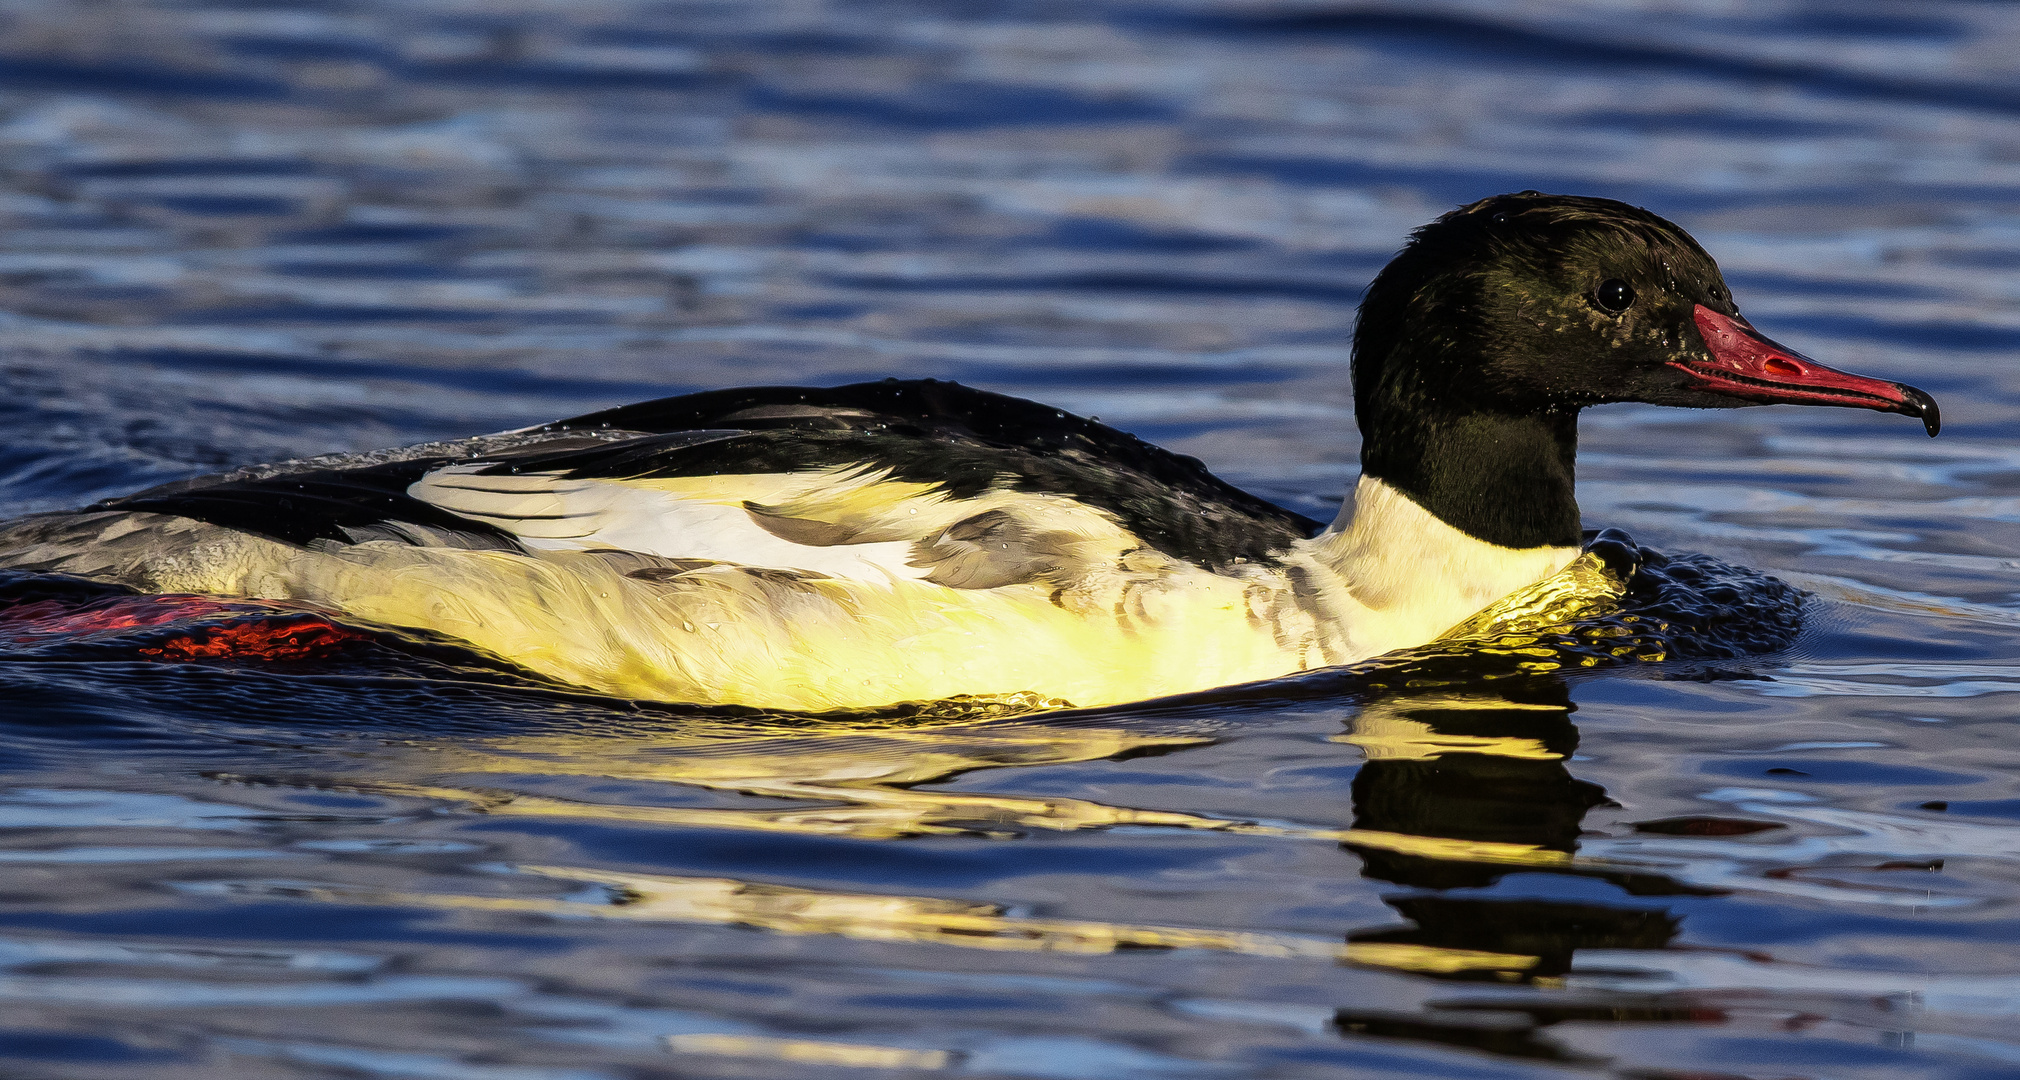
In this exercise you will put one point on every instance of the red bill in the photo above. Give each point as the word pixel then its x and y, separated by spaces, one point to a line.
pixel 1747 365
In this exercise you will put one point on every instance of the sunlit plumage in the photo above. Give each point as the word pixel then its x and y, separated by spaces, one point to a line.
pixel 811 549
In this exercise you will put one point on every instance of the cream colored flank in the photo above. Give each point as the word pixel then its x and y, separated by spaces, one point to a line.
pixel 837 588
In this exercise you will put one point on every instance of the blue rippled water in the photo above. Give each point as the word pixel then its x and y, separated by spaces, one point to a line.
pixel 245 231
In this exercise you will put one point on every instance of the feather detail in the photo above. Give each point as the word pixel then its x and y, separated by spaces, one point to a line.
pixel 634 625
pixel 812 549
pixel 850 522
pixel 696 518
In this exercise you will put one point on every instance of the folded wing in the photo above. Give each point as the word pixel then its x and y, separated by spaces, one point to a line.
pixel 879 481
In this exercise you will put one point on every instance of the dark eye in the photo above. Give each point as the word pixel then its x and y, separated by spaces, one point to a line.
pixel 1614 295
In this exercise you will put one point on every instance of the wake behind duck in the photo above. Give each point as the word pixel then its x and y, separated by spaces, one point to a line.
pixel 810 549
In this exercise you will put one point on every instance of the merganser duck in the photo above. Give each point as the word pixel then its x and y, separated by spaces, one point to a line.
pixel 812 549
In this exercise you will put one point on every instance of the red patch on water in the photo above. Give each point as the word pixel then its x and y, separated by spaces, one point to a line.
pixel 224 630
pixel 276 639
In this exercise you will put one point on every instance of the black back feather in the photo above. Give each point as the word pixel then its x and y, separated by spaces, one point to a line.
pixel 964 440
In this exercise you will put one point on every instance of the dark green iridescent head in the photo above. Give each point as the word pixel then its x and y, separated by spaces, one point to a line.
pixel 1480 342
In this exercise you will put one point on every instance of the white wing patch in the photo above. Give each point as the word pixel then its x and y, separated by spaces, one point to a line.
pixel 698 518
pixel 846 522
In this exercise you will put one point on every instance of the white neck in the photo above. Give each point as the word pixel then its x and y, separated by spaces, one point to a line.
pixel 1404 577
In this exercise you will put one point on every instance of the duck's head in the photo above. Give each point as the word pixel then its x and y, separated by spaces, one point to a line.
pixel 1480 342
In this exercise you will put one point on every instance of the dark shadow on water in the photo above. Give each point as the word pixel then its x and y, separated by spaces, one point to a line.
pixel 184 167
pixel 45 73
pixel 1421 780
pixel 364 233
pixel 296 48
pixel 1460 789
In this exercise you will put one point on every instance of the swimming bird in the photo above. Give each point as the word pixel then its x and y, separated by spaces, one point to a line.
pixel 810 549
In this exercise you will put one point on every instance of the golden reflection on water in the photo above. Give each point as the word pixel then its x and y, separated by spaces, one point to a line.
pixel 1395 727
pixel 864 779
pixel 1458 787
pixel 811 1051
pixel 922 920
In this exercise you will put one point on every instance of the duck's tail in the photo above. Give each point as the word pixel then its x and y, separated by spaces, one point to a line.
pixel 145 551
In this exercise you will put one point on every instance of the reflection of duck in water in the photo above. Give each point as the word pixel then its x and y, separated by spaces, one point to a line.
pixel 1454 772
pixel 1459 788
pixel 841 779
pixel 1462 788
pixel 810 549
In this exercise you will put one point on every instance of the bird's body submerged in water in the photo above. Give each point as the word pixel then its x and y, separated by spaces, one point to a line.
pixel 907 541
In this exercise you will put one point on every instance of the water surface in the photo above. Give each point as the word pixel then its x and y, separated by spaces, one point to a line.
pixel 238 232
